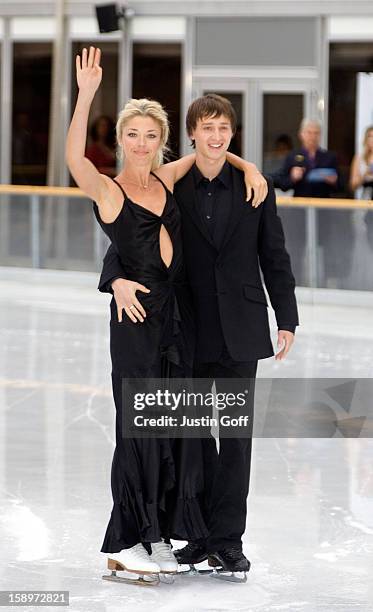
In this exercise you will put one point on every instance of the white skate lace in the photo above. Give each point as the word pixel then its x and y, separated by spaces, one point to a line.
pixel 163 550
pixel 138 551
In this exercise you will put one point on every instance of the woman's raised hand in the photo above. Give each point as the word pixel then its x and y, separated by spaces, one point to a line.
pixel 89 71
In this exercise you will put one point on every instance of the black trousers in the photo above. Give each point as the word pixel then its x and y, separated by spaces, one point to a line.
pixel 227 472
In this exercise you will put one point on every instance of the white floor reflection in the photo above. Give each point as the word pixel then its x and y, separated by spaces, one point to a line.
pixel 310 521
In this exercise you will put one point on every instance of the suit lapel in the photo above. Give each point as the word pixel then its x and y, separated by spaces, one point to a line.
pixel 187 199
pixel 238 205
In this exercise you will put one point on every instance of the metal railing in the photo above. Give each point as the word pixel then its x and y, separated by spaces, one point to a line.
pixel 311 205
pixel 51 196
pixel 302 230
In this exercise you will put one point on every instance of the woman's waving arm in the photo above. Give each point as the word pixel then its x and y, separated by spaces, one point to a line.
pixel 87 177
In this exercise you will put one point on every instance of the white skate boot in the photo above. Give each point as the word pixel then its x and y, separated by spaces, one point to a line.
pixel 134 560
pixel 162 554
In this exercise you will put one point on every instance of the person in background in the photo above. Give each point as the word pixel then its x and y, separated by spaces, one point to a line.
pixel 101 151
pixel 274 159
pixel 25 152
pixel 312 172
pixel 361 174
pixel 361 178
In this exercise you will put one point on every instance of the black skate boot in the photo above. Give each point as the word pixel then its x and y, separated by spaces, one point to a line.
pixel 230 559
pixel 191 553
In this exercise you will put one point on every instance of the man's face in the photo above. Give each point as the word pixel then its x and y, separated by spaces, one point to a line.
pixel 212 137
pixel 310 136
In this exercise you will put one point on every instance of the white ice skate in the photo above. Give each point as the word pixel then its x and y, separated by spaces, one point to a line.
pixel 162 554
pixel 133 560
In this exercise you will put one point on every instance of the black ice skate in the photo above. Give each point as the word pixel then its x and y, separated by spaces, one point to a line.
pixel 191 554
pixel 231 560
pixel 196 553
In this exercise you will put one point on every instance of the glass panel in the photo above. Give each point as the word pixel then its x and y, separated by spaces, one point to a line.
pixel 345 249
pixel 101 147
pixel 282 114
pixel 236 100
pixel 69 236
pixel 294 224
pixel 340 264
pixel 31 103
pixel 157 75
pixel 19 226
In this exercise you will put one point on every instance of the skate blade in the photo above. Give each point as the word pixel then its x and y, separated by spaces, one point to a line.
pixel 167 577
pixel 193 571
pixel 141 580
pixel 196 572
pixel 221 574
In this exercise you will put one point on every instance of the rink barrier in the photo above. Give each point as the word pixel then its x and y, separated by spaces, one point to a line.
pixel 311 204
pixel 35 192
pixel 289 201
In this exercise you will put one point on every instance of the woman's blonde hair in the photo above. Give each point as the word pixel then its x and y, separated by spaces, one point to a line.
pixel 145 108
pixel 366 153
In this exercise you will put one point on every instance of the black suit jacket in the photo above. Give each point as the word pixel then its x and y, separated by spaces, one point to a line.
pixel 303 188
pixel 230 303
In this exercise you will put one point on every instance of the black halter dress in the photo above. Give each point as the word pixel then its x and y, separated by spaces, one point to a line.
pixel 157 484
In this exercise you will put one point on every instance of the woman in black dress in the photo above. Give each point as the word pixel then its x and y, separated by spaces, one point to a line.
pixel 157 484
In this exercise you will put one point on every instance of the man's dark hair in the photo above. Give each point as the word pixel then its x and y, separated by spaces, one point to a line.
pixel 210 105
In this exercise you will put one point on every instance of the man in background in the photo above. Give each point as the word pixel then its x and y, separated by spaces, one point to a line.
pixel 312 172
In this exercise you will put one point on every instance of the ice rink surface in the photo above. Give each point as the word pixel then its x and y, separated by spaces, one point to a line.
pixel 309 529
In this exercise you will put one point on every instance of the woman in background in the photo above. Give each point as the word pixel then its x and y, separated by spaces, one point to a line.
pixel 361 183
pixel 101 151
pixel 361 178
pixel 361 175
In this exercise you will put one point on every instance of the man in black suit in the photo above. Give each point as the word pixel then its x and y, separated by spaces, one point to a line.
pixel 298 171
pixel 312 172
pixel 223 238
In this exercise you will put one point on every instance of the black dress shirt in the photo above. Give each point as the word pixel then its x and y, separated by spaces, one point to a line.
pixel 214 201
